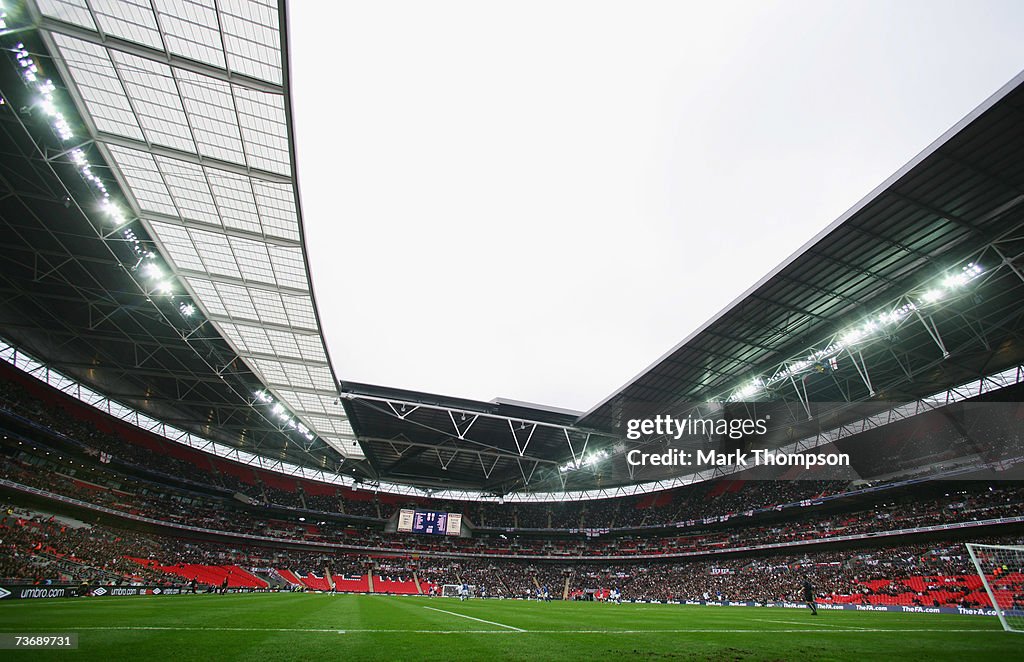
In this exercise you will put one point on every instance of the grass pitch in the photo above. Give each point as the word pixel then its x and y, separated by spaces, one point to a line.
pixel 261 627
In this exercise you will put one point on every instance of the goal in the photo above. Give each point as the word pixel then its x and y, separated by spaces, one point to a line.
pixel 1001 568
pixel 452 590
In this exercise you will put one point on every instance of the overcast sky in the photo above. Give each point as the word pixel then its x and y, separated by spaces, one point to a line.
pixel 537 199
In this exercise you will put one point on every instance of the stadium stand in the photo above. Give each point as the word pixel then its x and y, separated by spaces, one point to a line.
pixel 56 462
pixel 132 486
pixel 40 549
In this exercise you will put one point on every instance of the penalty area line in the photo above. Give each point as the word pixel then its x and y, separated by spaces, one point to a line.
pixel 474 618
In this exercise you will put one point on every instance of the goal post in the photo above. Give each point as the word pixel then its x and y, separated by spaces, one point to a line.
pixel 1001 568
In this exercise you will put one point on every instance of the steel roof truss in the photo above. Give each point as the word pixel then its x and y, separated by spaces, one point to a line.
pixel 460 431
pixel 521 447
pixel 862 369
pixel 487 472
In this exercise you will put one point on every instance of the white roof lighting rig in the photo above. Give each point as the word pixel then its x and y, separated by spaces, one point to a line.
pixel 590 460
pixel 876 326
pixel 188 103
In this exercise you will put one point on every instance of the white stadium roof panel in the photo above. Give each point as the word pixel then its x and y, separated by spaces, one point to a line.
pixel 211 113
pixel 341 426
pixel 264 130
pixel 215 252
pixel 289 266
pixel 189 29
pixel 173 188
pixel 235 200
pixel 277 209
pixel 248 339
pixel 300 311
pixel 75 12
pixel 206 292
pixel 180 109
pixel 99 86
pixel 257 340
pixel 238 303
pixel 269 307
pixel 253 260
pixel 186 182
pixel 153 94
pixel 129 19
pixel 310 403
pixel 179 247
pixel 286 373
pixel 186 99
pixel 253 39
pixel 272 372
pixel 144 179
pixel 199 30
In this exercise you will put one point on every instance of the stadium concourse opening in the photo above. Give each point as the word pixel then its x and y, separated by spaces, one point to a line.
pixel 183 473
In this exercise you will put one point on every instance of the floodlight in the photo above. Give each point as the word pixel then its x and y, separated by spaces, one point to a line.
pixel 851 338
pixel 952 282
pixel 109 207
pixel 152 270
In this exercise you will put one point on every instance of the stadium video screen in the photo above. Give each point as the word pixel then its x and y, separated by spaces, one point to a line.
pixel 429 521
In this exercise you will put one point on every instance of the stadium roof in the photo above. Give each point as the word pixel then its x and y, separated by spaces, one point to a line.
pixel 188 104
pixel 916 290
pixel 956 203
pixel 454 443
pixel 155 254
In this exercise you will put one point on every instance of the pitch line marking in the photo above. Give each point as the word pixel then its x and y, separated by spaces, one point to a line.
pixel 512 630
pixel 824 625
pixel 174 628
pixel 474 618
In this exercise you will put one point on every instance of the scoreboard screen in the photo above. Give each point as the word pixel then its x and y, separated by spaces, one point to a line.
pixel 429 521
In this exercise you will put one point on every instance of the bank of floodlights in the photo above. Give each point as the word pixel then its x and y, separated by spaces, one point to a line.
pixel 866 332
pixel 278 411
pixel 588 461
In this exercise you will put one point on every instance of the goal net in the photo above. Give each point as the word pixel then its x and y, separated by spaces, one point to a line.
pixel 1001 568
pixel 452 590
